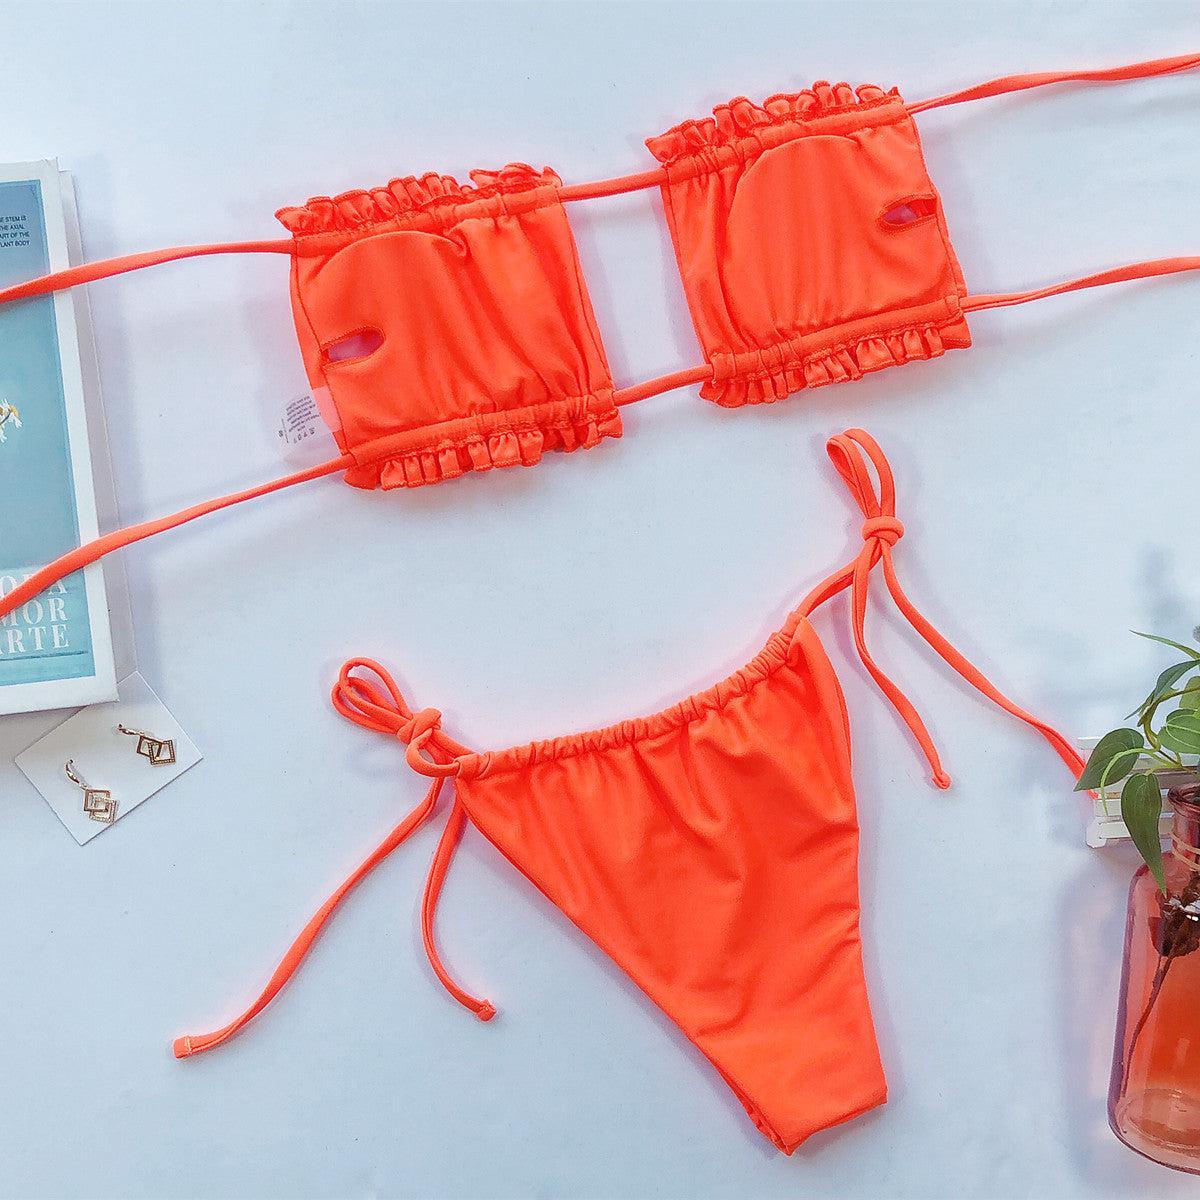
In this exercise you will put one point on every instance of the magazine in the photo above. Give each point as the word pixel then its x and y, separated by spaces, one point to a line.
pixel 56 651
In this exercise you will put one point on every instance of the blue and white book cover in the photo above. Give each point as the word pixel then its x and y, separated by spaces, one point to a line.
pixel 56 651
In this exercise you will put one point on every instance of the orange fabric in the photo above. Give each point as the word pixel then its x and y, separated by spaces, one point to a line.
pixel 710 849
pixel 794 275
pixel 490 352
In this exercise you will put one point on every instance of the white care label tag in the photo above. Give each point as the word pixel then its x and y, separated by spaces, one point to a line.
pixel 119 770
pixel 304 436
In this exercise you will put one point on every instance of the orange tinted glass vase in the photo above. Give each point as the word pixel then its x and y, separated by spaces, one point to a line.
pixel 1154 1095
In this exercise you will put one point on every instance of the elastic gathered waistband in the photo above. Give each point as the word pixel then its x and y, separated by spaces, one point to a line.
pixel 776 654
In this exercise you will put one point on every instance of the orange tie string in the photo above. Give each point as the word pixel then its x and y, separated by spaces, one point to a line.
pixel 881 531
pixel 1020 83
pixel 429 752
pixel 107 268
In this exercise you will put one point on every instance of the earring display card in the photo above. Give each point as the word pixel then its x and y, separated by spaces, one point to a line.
pixel 129 769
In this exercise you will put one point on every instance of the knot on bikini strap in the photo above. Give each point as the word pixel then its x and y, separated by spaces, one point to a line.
pixel 885 529
pixel 426 721
pixel 386 711
pixel 875 495
pixel 856 455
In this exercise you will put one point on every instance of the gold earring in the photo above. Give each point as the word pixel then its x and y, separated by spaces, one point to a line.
pixel 97 802
pixel 160 751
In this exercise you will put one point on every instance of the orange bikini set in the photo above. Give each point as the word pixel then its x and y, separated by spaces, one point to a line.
pixel 710 849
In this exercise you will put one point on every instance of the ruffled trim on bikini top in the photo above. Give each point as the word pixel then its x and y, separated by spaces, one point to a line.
pixel 430 193
pixel 764 376
pixel 518 442
pixel 741 117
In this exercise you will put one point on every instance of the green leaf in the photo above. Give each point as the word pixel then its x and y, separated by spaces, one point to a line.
pixel 1181 732
pixel 1166 681
pixel 1110 748
pixel 1141 806
pixel 1190 650
pixel 1191 698
pixel 1118 767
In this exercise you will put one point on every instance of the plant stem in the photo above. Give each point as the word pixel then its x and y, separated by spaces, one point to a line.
pixel 1147 717
pixel 1166 957
pixel 1160 976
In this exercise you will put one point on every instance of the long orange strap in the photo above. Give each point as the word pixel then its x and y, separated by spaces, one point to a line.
pixel 617 185
pixel 108 267
pixel 1021 83
pixel 1142 270
pixel 384 711
pixel 90 552
pixel 881 531
pixel 83 556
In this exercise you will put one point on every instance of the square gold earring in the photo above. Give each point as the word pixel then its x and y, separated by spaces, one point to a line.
pixel 98 803
pixel 159 751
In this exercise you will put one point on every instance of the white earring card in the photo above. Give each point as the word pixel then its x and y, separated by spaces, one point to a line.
pixel 130 768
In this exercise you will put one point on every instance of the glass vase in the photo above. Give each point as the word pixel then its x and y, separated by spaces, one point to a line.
pixel 1154 1093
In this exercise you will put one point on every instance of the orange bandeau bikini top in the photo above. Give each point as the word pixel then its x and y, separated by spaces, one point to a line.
pixel 446 327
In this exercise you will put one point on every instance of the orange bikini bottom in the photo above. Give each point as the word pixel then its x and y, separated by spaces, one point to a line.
pixel 711 850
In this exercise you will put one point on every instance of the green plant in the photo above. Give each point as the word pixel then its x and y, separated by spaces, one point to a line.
pixel 1168 727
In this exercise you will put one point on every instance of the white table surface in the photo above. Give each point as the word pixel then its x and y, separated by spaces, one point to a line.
pixel 1047 478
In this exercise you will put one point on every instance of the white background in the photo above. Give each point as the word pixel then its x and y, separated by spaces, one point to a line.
pixel 1047 480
